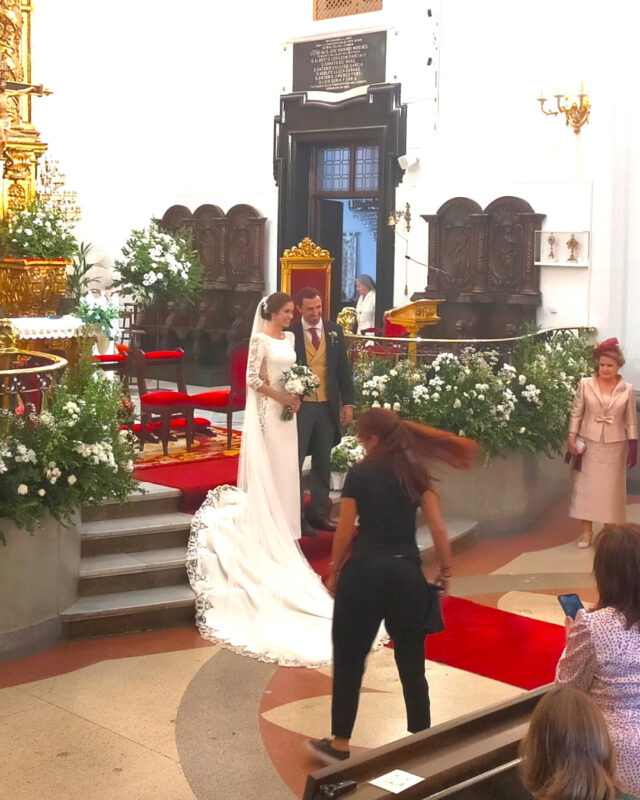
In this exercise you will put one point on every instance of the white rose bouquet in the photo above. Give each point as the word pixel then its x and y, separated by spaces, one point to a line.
pixel 298 380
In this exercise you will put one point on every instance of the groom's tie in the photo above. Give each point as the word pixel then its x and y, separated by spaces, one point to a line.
pixel 315 338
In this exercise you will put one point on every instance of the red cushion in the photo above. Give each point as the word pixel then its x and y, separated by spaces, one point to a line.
pixel 122 348
pixel 216 397
pixel 181 422
pixel 219 398
pixel 393 330
pixel 165 398
pixel 110 358
pixel 164 354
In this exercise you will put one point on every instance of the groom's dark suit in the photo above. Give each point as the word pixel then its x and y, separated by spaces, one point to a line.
pixel 319 427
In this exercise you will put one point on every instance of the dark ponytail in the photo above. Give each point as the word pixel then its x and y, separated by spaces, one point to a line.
pixel 274 303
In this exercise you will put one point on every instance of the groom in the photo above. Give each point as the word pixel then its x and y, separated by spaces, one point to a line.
pixel 320 346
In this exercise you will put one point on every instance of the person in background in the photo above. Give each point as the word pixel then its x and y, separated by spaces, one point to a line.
pixel 377 575
pixel 602 655
pixel 366 305
pixel 603 440
pixel 567 753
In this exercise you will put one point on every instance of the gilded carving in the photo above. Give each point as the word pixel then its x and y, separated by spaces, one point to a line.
pixel 306 249
pixel 31 288
pixel 20 145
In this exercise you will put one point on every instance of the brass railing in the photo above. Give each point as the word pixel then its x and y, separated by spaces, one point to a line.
pixel 396 349
pixel 26 377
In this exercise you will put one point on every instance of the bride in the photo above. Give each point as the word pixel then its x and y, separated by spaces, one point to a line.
pixel 255 591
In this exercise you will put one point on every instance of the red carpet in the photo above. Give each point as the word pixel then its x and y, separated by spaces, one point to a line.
pixel 506 647
pixel 193 478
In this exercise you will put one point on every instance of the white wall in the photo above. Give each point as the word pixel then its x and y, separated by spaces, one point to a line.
pixel 157 104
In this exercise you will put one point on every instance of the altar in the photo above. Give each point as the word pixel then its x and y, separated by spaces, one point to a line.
pixel 65 336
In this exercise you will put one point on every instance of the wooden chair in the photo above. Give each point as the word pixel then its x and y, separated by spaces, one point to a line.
pixel 228 401
pixel 166 406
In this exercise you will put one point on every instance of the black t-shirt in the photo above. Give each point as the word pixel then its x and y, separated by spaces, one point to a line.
pixel 387 514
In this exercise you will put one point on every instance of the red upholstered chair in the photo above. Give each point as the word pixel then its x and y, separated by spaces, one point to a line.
pixel 164 406
pixel 228 401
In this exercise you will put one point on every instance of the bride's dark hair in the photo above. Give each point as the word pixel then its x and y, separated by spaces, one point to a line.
pixel 407 448
pixel 274 303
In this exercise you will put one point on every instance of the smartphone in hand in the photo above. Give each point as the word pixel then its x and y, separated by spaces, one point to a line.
pixel 570 603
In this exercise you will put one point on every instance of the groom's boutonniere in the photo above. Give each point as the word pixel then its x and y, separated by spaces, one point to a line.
pixel 333 337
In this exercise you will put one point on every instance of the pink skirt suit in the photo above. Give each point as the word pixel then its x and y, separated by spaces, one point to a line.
pixel 606 422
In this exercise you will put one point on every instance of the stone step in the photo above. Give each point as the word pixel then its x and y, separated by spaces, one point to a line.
pixel 124 612
pixel 458 530
pixel 151 499
pixel 124 572
pixel 133 534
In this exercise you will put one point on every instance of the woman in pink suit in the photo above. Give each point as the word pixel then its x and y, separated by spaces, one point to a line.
pixel 603 438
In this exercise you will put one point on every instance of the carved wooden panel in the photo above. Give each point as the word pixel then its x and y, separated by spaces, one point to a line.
pixel 245 231
pixel 483 266
pixel 210 228
pixel 230 246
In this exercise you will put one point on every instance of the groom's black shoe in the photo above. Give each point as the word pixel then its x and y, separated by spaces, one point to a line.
pixel 306 529
pixel 324 524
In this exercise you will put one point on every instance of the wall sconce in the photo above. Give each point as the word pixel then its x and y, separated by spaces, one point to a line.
pixel 576 112
pixel 398 215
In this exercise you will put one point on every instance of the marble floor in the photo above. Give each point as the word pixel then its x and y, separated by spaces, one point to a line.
pixel 164 715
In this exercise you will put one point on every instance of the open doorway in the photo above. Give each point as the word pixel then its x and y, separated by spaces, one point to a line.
pixel 345 212
pixel 336 166
pixel 349 230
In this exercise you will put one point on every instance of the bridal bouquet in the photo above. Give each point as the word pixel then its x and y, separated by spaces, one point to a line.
pixel 298 380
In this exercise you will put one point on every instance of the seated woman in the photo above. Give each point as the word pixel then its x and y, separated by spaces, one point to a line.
pixel 602 655
pixel 567 753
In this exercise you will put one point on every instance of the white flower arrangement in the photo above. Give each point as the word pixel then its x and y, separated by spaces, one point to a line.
pixel 99 308
pixel 40 231
pixel 157 264
pixel 520 405
pixel 346 454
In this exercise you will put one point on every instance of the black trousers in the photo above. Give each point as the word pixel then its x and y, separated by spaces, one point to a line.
pixel 370 590
pixel 316 435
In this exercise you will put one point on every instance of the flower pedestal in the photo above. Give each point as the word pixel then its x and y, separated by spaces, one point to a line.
pixel 336 481
pixel 38 580
pixel 32 287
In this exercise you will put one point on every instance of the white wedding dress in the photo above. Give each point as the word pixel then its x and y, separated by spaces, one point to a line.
pixel 256 593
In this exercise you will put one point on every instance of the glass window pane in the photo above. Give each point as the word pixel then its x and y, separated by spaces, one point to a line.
pixel 367 168
pixel 333 169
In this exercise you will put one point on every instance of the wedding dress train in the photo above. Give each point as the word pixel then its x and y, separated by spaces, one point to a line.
pixel 255 591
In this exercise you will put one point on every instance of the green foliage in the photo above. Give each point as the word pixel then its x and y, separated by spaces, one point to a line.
pixel 158 266
pixel 99 310
pixel 69 455
pixel 78 281
pixel 346 454
pixel 39 231
pixel 524 405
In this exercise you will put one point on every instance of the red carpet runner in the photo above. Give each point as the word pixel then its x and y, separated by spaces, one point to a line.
pixel 507 647
pixel 193 478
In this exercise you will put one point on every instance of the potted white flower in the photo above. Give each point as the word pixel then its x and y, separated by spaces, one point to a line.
pixel 157 266
pixel 343 457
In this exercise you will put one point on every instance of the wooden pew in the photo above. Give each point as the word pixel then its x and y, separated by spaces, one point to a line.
pixel 473 757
